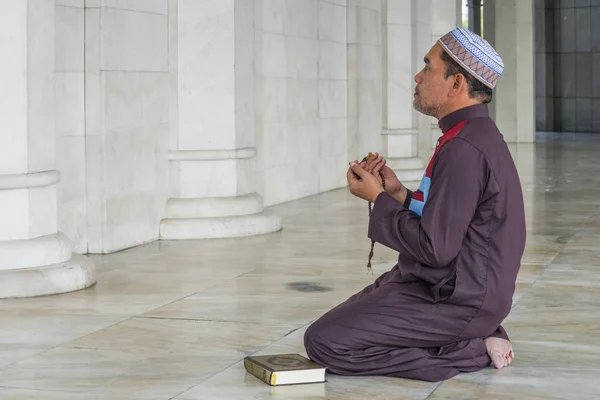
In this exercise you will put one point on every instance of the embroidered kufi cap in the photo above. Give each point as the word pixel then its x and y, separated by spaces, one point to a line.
pixel 474 54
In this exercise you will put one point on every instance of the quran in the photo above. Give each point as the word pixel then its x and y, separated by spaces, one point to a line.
pixel 284 369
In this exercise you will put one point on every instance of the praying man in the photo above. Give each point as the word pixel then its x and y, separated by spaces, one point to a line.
pixel 460 238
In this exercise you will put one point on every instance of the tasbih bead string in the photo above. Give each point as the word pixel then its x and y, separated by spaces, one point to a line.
pixel 369 268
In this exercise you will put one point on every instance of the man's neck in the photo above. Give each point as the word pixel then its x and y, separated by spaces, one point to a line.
pixel 467 112
pixel 450 108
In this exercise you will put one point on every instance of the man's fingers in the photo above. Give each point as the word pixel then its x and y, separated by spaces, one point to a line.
pixel 374 161
pixel 354 166
pixel 351 176
pixel 378 167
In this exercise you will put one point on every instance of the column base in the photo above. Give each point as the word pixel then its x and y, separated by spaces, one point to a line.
pixel 219 227
pixel 75 274
pixel 217 217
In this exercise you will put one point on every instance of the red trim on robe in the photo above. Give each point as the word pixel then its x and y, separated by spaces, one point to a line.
pixel 418 196
pixel 451 134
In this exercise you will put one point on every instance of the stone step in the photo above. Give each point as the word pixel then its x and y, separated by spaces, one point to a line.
pixel 398 164
pixel 410 175
pixel 412 185
pixel 219 227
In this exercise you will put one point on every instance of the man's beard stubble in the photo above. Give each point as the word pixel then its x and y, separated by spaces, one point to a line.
pixel 427 109
pixel 432 108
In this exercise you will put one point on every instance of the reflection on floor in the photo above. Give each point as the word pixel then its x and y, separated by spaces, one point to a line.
pixel 174 319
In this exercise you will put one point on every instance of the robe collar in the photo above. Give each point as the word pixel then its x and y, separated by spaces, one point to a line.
pixel 463 114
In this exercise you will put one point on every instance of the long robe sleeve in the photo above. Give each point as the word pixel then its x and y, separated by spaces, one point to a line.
pixel 436 237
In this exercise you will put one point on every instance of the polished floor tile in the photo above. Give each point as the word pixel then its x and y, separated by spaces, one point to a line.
pixel 521 382
pixel 174 319
pixel 28 332
pixel 29 394
pixel 159 335
pixel 248 387
pixel 118 372
pixel 249 308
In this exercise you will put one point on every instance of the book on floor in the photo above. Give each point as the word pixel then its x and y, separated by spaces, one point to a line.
pixel 284 369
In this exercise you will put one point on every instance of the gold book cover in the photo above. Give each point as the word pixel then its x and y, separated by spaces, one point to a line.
pixel 284 369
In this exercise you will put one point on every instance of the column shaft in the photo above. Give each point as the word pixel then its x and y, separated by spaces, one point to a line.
pixel 35 259
pixel 508 27
pixel 400 130
pixel 213 155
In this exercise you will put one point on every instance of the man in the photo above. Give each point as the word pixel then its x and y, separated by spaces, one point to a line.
pixel 460 238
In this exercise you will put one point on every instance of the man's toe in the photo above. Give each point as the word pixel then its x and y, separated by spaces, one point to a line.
pixel 498 360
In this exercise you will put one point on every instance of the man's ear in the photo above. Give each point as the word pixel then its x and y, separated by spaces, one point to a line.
pixel 458 82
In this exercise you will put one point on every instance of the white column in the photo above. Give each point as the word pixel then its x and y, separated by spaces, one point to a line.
pixel 126 122
pixel 365 84
pixel 35 259
pixel 422 15
pixel 508 26
pixel 213 154
pixel 400 130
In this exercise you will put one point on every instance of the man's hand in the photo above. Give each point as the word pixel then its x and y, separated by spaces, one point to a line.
pixel 393 186
pixel 363 184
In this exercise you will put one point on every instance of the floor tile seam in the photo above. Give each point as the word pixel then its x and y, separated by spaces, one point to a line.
pixel 553 258
pixel 194 293
pixel 136 352
pixel 44 390
pixel 173 302
pixel 11 363
pixel 207 378
pixel 434 389
pixel 224 321
pixel 106 257
pixel 65 343
pixel 528 290
pixel 73 347
pixel 580 229
pixel 291 294
pixel 213 375
pixel 250 354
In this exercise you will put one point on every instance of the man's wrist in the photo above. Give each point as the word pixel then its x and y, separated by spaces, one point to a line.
pixel 400 196
pixel 377 195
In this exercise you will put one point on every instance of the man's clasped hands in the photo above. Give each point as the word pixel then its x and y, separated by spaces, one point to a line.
pixel 365 181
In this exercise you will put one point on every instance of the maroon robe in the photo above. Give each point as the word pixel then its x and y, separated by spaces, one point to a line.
pixel 428 317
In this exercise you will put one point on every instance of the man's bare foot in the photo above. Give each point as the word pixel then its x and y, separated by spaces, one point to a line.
pixel 500 351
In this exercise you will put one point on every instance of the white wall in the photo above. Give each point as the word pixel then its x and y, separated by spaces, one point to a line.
pixel 111 108
pixel 318 100
pixel 366 83
pixel 214 97
pixel 127 119
pixel 300 97
pixel 70 121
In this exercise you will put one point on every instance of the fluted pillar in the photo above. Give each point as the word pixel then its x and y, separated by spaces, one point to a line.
pixel 35 259
pixel 212 157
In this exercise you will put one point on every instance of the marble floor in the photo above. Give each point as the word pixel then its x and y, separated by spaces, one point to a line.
pixel 173 320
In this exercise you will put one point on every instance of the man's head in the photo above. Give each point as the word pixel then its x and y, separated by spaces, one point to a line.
pixel 461 69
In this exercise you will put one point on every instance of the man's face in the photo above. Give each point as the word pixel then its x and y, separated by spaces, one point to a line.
pixel 431 93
